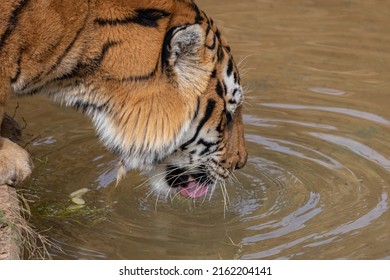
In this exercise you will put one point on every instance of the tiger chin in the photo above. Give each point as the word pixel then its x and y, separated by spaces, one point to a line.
pixel 157 78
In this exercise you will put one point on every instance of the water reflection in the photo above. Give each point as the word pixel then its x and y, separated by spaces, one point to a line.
pixel 289 223
pixel 315 240
pixel 345 111
pixel 329 91
pixel 357 148
pixel 294 149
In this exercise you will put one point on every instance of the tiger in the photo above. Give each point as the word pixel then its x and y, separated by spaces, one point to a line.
pixel 156 78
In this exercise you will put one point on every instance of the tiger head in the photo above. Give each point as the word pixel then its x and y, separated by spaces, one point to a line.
pixel 182 123
pixel 156 77
pixel 209 143
pixel 213 144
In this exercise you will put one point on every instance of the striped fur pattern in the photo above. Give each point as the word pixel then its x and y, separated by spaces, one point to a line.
pixel 156 77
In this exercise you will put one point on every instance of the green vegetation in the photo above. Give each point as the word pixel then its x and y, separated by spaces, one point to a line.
pixel 4 222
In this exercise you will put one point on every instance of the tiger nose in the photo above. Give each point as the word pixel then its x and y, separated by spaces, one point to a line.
pixel 243 157
pixel 235 161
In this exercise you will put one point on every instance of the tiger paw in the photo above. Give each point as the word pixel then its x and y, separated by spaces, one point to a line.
pixel 15 163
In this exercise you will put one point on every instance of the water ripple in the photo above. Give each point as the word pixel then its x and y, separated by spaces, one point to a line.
pixel 357 148
pixel 289 223
pixel 345 111
pixel 267 122
pixel 289 148
pixel 364 221
pixel 380 209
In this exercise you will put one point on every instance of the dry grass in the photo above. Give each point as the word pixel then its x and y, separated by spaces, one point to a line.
pixel 34 245
pixel 14 219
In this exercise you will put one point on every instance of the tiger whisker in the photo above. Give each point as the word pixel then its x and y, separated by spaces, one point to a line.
pixel 223 190
pixel 155 205
pixel 243 60
pixel 245 71
pixel 212 190
pixel 233 177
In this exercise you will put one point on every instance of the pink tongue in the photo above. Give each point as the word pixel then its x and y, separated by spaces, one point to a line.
pixel 194 190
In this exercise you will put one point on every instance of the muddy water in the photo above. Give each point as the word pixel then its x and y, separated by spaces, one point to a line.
pixel 317 182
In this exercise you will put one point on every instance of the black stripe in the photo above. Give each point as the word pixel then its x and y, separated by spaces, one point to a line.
pixel 220 126
pixel 18 65
pixel 136 78
pixel 198 18
pixel 197 108
pixel 208 146
pixel 144 17
pixel 219 89
pixel 54 66
pixel 235 78
pixel 12 22
pixel 86 106
pixel 36 90
pixel 230 67
pixel 207 115
pixel 218 33
pixel 208 29
pixel 220 53
pixel 229 118
pixel 224 87
pixel 84 69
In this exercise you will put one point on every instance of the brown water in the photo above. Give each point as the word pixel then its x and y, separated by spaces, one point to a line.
pixel 317 182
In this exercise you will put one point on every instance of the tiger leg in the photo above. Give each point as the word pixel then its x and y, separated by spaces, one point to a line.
pixel 15 163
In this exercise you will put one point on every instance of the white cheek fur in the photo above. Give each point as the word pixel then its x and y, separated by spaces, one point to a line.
pixel 232 87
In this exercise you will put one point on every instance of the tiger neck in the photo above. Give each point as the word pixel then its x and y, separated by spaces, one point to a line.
pixel 140 122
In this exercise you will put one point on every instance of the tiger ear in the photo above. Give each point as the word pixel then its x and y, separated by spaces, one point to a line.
pixel 187 58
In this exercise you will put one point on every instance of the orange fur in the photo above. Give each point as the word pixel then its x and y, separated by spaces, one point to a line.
pixel 106 57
